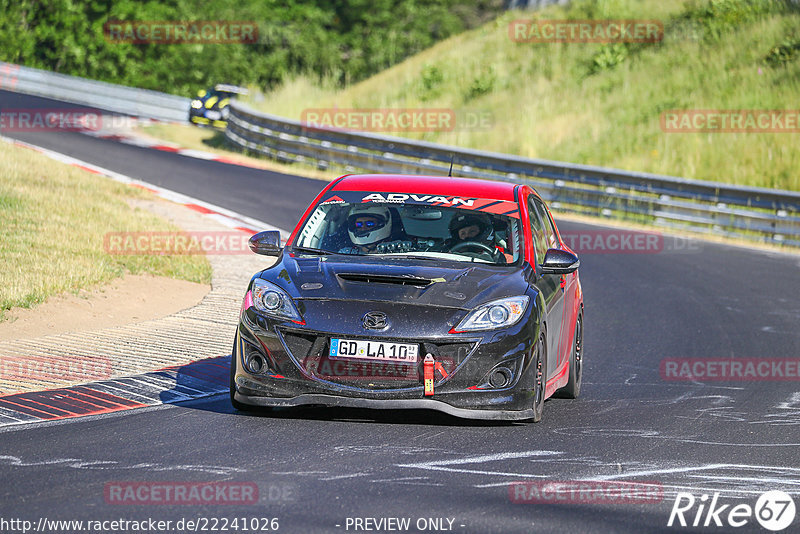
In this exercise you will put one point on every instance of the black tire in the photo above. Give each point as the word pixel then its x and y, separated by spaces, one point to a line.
pixel 540 378
pixel 236 404
pixel 573 388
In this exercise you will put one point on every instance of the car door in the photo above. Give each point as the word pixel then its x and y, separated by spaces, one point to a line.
pixel 567 282
pixel 550 285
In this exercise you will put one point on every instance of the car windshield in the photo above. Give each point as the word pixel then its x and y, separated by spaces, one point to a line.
pixel 422 226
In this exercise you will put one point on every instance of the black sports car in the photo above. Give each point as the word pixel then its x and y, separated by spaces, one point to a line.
pixel 414 292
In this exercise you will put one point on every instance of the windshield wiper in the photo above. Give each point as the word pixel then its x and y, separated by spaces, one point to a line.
pixel 313 250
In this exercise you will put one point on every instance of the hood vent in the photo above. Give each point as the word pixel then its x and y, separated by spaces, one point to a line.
pixel 386 279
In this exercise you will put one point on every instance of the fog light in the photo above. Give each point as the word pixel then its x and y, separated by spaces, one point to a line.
pixel 255 363
pixel 500 377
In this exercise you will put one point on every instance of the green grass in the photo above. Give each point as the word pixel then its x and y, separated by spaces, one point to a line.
pixel 601 104
pixel 53 221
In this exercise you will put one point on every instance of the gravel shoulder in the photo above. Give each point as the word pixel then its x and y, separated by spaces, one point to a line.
pixel 133 325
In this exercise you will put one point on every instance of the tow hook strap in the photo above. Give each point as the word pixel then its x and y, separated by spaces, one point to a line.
pixel 427 366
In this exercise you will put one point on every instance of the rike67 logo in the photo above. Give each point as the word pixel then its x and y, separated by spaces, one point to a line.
pixel 774 510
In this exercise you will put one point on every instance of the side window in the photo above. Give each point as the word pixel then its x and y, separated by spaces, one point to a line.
pixel 547 224
pixel 537 231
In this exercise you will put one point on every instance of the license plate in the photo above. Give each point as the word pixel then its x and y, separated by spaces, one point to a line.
pixel 374 350
pixel 213 115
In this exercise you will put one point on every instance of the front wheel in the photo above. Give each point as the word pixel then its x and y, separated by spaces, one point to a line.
pixel 573 387
pixel 540 378
pixel 236 404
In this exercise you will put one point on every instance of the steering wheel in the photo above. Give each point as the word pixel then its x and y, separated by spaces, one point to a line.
pixel 475 245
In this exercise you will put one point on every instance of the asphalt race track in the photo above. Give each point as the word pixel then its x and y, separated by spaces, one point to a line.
pixel 317 470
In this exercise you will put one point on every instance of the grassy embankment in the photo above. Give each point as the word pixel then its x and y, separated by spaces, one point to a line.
pixel 53 220
pixel 600 104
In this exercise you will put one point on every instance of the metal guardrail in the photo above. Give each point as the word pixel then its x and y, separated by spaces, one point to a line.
pixel 759 214
pixel 102 95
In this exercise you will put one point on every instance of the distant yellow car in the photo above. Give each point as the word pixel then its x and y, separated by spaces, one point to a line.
pixel 210 108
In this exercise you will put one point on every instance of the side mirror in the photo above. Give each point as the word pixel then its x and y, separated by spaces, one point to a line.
pixel 266 243
pixel 557 261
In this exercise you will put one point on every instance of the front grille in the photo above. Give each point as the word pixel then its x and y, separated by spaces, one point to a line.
pixel 311 353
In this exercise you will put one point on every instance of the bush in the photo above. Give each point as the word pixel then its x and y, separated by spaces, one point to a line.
pixel 344 41
pixel 482 84
pixel 608 57
pixel 783 53
pixel 717 17
pixel 431 80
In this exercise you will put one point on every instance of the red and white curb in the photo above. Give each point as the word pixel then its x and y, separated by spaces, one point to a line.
pixel 164 147
pixel 224 216
pixel 178 383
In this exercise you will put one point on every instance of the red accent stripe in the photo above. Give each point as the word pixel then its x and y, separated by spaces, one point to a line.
pixel 66 403
pixel 246 230
pixel 166 148
pixel 114 400
pixel 478 205
pixel 27 410
pixel 201 209
pixel 552 383
pixel 234 162
pixel 513 213
pixel 498 208
pixel 85 168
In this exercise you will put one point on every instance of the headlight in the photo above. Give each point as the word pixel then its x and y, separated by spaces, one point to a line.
pixel 495 314
pixel 272 300
pixel 196 104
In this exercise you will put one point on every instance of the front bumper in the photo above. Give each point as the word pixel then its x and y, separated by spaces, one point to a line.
pixel 385 404
pixel 297 373
pixel 201 120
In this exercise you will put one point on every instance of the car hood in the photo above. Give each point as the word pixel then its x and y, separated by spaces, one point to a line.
pixel 396 280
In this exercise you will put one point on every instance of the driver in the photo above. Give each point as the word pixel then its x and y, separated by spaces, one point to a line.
pixel 471 227
pixel 477 229
pixel 367 226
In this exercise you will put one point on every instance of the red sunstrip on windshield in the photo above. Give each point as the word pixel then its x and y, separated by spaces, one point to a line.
pixel 499 207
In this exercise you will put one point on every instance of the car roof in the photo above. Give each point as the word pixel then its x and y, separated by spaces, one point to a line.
pixel 427 185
